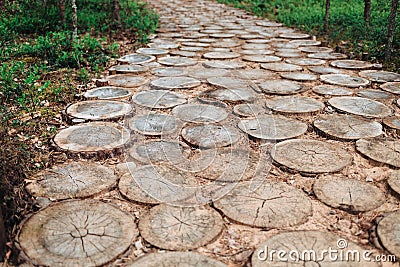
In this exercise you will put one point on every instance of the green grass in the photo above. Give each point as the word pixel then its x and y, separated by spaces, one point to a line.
pixel 347 27
pixel 41 71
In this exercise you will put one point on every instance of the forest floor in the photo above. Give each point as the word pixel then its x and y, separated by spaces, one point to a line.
pixel 230 136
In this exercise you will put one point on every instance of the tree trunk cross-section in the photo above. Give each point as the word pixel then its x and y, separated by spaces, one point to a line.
pixel 125 80
pixel 77 233
pixel 302 61
pixel 163 45
pixel 332 90
pixel 347 127
pixel 311 156
pixel 159 99
pixel 210 135
pixel 200 113
pixel 169 72
pixel 181 228
pixel 99 109
pixel 330 55
pixel 272 127
pixel 127 69
pixel 281 87
pixel 299 76
pixel 374 94
pixel 136 59
pixel 348 194
pixel 232 94
pixel 153 124
pixel 175 259
pixel 351 64
pixel 205 73
pixel 393 123
pixel 344 80
pixel 221 55
pixel 380 76
pixel 92 137
pixel 73 180
pixel 389 233
pixel 249 110
pixel 315 49
pixel 152 51
pixel 361 106
pixel 177 61
pixel 281 67
pixel 156 151
pixel 294 104
pixel 228 82
pixel 381 150
pixel 107 93
pixel 391 87
pixel 171 83
pixel 251 74
pixel 271 205
pixel 394 181
pixel 324 70
pixel 221 64
pixel 309 248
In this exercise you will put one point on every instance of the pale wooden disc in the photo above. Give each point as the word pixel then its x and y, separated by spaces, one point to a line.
pixel 271 127
pixel 221 55
pixel 256 46
pixel 309 248
pixel 392 122
pixel 222 35
pixel 153 124
pixel 77 233
pixel 394 181
pixel 136 59
pixel 332 90
pixel 252 74
pixel 286 54
pixel 249 110
pixel 127 69
pixel 155 151
pixel 72 180
pixel 299 76
pixel 311 156
pixel 281 67
pixel 374 94
pixel 205 73
pixel 281 87
pixel 92 137
pixel 305 61
pixel 159 99
pixel 325 55
pixel 347 127
pixel 210 135
pixel 348 194
pixel 228 82
pixel 200 113
pixel 381 150
pixel 181 228
pixel 391 87
pixel 169 72
pixel 267 23
pixel 107 93
pixel 315 49
pixel 175 259
pixel 155 184
pixel 232 94
pixel 389 233
pixel 152 51
pixel 294 35
pixel 164 45
pixel 177 61
pixel 99 110
pixel 261 58
pixel 380 76
pixel 324 70
pixel 172 83
pixel 305 42
pixel 360 106
pixel 271 205
pixel 125 80
pixel 351 64
pixel 344 80
pixel 195 44
pixel 257 52
pixel 225 44
pixel 221 64
pixel 294 104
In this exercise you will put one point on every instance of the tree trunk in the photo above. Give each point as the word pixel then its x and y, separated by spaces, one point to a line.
pixel 116 13
pixel 62 11
pixel 391 27
pixel 367 11
pixel 74 20
pixel 326 22
pixel 3 238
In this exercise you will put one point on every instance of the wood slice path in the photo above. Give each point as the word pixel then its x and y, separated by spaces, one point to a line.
pixel 198 157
